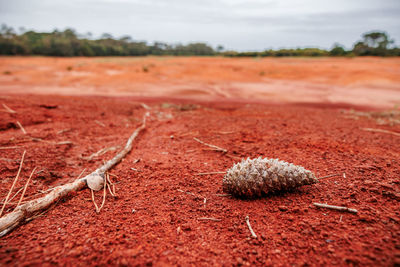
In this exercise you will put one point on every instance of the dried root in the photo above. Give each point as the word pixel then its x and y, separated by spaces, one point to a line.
pixel 255 177
pixel 105 183
pixel 24 212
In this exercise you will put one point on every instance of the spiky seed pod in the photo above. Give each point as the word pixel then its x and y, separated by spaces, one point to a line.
pixel 255 177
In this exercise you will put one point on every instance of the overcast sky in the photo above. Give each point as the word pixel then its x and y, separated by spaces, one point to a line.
pixel 235 24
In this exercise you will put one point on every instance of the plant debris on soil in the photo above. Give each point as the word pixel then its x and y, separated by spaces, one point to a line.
pixel 167 214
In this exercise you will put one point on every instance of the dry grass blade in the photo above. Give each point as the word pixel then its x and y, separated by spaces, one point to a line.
pixel 320 205
pixel 9 147
pixel 21 127
pixel 13 219
pixel 12 186
pixel 100 123
pixel 328 176
pixel 25 187
pixel 50 142
pixel 380 131
pixel 145 106
pixel 7 109
pixel 64 130
pixel 216 148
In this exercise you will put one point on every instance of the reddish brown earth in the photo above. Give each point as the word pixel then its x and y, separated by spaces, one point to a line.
pixel 164 228
pixel 361 81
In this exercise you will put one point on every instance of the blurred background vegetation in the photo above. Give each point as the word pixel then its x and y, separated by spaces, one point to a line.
pixel 69 43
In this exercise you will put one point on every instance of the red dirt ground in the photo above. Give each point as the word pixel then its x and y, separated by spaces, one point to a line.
pixel 164 228
pixel 362 81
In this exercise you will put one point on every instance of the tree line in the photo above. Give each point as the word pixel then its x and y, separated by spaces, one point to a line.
pixel 69 43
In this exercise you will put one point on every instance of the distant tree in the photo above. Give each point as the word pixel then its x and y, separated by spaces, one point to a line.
pixel 7 32
pixel 126 39
pixel 69 43
pixel 106 36
pixel 337 50
pixel 374 43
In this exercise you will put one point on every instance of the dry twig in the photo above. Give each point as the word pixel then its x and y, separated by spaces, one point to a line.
pixel 13 184
pixel 216 148
pixel 21 213
pixel 251 229
pixel 320 205
pixel 380 131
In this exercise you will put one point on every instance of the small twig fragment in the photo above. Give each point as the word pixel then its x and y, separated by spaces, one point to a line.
pixel 320 205
pixel 63 131
pixel 251 229
pixel 145 106
pixel 100 123
pixel 20 126
pixel 216 148
pixel 64 143
pixel 380 131
pixel 7 109
pixel 328 176
pixel 223 195
pixel 9 147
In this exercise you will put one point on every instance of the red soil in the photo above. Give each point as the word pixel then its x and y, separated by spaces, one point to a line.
pixel 164 228
pixel 362 81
